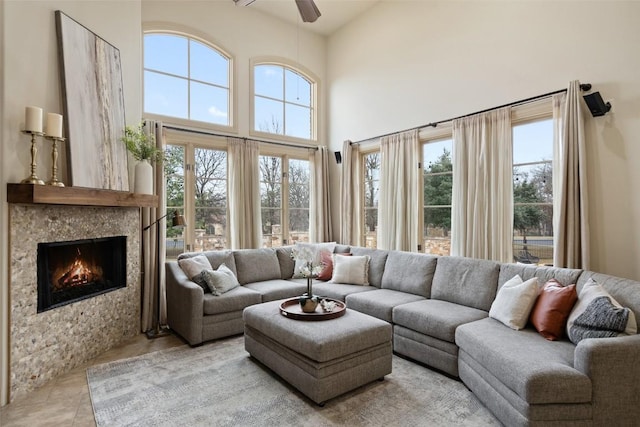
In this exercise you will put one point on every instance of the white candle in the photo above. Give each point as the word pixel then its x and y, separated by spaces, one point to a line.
pixel 54 125
pixel 33 119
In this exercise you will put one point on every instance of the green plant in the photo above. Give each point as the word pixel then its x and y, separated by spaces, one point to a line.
pixel 141 145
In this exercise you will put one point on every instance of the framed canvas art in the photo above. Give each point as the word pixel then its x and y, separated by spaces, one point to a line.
pixel 93 101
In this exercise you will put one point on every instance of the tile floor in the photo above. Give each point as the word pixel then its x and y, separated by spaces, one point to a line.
pixel 65 400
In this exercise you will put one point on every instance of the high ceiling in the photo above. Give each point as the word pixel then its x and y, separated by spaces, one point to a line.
pixel 335 13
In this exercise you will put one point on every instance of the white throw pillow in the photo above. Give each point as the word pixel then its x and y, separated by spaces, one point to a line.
pixel 221 280
pixel 590 291
pixel 352 270
pixel 514 302
pixel 309 251
pixel 194 265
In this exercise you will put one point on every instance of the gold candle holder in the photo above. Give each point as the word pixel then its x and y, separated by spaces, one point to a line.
pixel 33 178
pixel 54 161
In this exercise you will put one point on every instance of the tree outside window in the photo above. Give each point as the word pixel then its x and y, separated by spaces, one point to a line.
pixel 437 191
pixel 371 197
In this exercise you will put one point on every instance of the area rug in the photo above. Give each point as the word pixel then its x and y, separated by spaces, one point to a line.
pixel 219 384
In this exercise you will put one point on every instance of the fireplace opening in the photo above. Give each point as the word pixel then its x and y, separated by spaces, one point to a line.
pixel 74 270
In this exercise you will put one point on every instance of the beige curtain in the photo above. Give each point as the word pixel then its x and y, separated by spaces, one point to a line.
pixel 398 208
pixel 319 204
pixel 571 216
pixel 153 251
pixel 350 209
pixel 244 193
pixel 482 199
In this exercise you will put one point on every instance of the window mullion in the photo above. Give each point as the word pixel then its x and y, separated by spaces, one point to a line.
pixel 284 197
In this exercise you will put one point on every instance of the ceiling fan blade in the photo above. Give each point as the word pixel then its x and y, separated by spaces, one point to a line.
pixel 308 10
pixel 243 2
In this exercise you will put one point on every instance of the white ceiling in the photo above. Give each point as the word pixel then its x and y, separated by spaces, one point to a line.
pixel 334 13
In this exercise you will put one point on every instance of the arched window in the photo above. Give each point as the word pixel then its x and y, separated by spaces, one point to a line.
pixel 283 101
pixel 186 78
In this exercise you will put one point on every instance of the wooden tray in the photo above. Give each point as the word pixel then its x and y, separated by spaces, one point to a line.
pixel 291 308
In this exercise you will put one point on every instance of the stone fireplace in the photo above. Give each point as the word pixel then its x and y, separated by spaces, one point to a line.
pixel 48 342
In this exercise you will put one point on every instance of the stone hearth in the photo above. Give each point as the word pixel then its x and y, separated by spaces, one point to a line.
pixel 45 345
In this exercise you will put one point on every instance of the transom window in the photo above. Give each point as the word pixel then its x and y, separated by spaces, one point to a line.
pixel 186 78
pixel 283 102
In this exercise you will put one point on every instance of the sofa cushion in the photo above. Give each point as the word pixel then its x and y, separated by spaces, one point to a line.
pixel 466 281
pixel 514 302
pixel 338 291
pixel 537 370
pixel 287 263
pixel 278 288
pixel 234 300
pixel 376 265
pixel 566 276
pixel 409 272
pixel 353 270
pixel 551 310
pixel 435 318
pixel 380 303
pixel 216 258
pixel 256 265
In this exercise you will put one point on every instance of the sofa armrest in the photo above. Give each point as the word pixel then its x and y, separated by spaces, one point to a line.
pixel 185 304
pixel 613 365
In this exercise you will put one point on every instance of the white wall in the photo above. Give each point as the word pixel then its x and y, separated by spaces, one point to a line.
pixel 30 77
pixel 245 33
pixel 408 63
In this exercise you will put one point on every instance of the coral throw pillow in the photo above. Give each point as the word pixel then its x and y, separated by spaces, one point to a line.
pixel 551 310
pixel 326 258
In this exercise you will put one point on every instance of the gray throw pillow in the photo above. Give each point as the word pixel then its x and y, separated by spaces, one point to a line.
pixel 221 280
pixel 601 319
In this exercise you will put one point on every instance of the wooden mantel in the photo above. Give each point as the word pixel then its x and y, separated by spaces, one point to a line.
pixel 78 196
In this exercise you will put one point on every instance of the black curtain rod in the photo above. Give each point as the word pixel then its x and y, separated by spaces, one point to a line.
pixel 584 86
pixel 204 132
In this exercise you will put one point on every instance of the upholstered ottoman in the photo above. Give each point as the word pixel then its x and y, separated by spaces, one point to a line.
pixel 322 359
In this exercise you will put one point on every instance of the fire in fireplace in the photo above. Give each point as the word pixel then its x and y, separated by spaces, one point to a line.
pixel 75 270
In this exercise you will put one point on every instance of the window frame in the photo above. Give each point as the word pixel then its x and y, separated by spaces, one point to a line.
pixel 179 31
pixel 191 142
pixel 364 152
pixel 314 104
pixel 285 155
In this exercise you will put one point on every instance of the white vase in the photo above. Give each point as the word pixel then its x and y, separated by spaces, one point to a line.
pixel 143 178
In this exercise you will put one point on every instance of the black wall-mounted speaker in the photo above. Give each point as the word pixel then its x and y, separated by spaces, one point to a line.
pixel 596 104
pixel 338 157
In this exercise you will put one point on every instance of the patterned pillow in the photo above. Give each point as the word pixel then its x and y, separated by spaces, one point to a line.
pixel 600 319
pixel 353 270
pixel 221 280
pixel 589 292
pixel 193 268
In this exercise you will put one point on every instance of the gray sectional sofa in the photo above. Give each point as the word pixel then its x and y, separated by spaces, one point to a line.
pixel 439 310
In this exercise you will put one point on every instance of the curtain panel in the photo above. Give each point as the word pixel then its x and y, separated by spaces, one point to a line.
pixel 244 194
pixel 153 253
pixel 319 204
pixel 482 199
pixel 350 182
pixel 571 216
pixel 399 193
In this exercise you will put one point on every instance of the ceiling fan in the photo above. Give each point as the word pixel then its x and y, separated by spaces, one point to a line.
pixel 307 8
